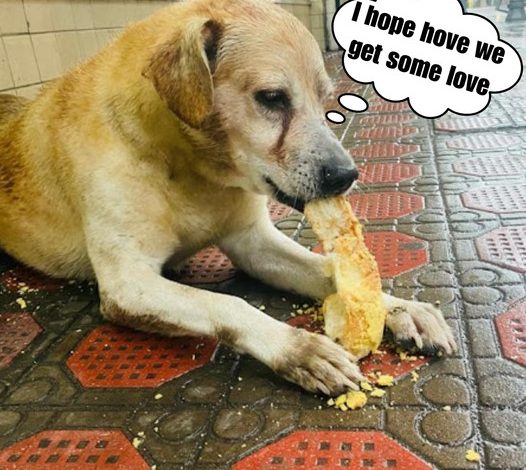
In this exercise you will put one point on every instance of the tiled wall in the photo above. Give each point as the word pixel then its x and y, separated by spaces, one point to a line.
pixel 40 39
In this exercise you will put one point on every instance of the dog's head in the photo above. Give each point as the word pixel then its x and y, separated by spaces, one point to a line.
pixel 251 75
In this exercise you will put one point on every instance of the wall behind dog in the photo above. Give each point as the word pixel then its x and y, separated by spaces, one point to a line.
pixel 41 39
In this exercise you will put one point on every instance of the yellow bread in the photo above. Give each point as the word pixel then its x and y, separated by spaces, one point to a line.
pixel 355 315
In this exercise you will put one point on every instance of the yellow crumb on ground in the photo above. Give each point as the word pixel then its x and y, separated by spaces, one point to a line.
pixel 356 400
pixel 472 456
pixel 377 393
pixel 446 408
pixel 158 396
pixel 366 386
pixel 385 380
pixel 414 376
pixel 341 400
pixel 20 301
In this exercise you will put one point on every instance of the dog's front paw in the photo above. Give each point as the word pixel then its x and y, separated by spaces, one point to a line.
pixel 316 363
pixel 422 323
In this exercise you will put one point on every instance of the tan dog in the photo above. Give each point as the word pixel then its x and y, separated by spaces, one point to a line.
pixel 168 140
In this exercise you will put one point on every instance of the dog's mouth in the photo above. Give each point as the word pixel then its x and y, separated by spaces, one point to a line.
pixel 284 198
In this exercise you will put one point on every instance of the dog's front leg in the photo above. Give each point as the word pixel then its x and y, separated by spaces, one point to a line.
pixel 265 253
pixel 133 293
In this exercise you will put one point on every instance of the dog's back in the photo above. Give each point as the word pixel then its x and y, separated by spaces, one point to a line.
pixel 10 105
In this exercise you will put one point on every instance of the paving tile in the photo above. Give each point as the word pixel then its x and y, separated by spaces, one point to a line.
pixel 469 123
pixel 385 205
pixel 385 132
pixel 208 266
pixel 73 449
pixel 17 331
pixel 378 173
pixel 505 247
pixel 116 357
pixel 498 165
pixel 511 327
pixel 499 199
pixel 386 119
pixel 383 151
pixel 484 142
pixel 333 449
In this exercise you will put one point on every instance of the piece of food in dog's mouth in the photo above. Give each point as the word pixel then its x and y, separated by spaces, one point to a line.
pixel 284 198
pixel 355 315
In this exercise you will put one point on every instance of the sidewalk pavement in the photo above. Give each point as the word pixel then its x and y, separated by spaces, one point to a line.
pixel 444 203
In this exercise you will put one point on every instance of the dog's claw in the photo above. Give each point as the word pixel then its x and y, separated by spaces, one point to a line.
pixel 318 364
pixel 422 323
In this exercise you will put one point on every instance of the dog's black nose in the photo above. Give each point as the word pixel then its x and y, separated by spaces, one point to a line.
pixel 337 179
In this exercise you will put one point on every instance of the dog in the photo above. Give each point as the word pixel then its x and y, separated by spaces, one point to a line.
pixel 170 139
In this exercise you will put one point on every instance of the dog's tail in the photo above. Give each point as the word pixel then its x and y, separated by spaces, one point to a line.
pixel 10 105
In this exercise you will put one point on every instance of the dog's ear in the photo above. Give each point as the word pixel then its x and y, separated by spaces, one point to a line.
pixel 181 71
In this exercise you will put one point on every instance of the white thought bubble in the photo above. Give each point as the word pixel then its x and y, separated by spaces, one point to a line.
pixel 427 51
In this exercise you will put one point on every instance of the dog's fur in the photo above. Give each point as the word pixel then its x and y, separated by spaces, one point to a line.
pixel 167 141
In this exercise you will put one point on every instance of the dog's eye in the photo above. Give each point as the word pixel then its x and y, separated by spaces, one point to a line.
pixel 274 100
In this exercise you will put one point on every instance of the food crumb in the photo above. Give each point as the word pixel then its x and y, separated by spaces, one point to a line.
pixel 446 408
pixel 385 380
pixel 356 400
pixel 137 441
pixel 472 456
pixel 158 396
pixel 377 393
pixel 414 376
pixel 23 304
pixel 366 386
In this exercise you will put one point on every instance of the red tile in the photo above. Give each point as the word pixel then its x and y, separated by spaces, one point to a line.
pixel 501 199
pixel 385 205
pixel 467 123
pixel 116 357
pixel 17 331
pixel 504 247
pixel 279 211
pixel 380 151
pixel 71 450
pixel 511 326
pixel 208 266
pixel 332 450
pixel 385 132
pixel 386 119
pixel 386 361
pixel 387 107
pixel 375 173
pixel 496 165
pixel 395 253
pixel 483 142
pixel 21 277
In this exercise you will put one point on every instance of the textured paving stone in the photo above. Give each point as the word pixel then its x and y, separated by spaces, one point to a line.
pixel 383 151
pixel 504 426
pixel 499 199
pixel 17 331
pixel 387 173
pixel 483 142
pixel 446 390
pixel 386 119
pixel 504 247
pixel 115 357
pixel 497 165
pixel 385 132
pixel 308 449
pixel 208 266
pixel 73 450
pixel 512 333
pixel 385 205
pixel 447 427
